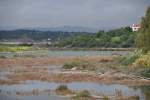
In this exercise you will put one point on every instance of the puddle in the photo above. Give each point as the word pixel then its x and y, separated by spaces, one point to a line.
pixel 142 91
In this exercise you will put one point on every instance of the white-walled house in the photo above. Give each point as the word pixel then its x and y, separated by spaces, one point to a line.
pixel 135 27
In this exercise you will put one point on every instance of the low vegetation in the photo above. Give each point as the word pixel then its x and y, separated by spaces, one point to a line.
pixel 83 95
pixel 63 90
pixel 79 64
pixel 129 59
pixel 140 59
pixel 143 60
pixel 14 48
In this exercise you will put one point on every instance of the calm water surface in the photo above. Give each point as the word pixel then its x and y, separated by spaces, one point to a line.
pixel 41 53
pixel 142 91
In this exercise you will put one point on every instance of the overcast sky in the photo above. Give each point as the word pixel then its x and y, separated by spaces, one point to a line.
pixel 88 13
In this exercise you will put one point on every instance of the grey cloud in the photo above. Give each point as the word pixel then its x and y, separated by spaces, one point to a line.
pixel 88 13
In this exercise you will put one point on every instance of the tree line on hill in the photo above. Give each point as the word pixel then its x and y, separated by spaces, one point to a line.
pixel 123 37
pixel 35 35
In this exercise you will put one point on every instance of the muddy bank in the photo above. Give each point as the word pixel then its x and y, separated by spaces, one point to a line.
pixel 75 76
pixel 48 73
pixel 42 61
pixel 50 69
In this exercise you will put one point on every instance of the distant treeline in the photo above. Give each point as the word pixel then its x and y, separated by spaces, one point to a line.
pixel 122 38
pixel 33 35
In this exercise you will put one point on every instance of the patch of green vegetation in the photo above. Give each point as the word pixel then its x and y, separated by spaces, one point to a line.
pixel 106 98
pixel 129 59
pixel 145 73
pixel 140 63
pixel 83 95
pixel 79 64
pixel 14 48
pixel 143 60
pixel 63 90
pixel 123 37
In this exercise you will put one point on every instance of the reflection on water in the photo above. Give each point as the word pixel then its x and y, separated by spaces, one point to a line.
pixel 41 53
pixel 142 91
pixel 145 90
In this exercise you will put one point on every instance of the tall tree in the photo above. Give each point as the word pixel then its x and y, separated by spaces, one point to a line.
pixel 143 36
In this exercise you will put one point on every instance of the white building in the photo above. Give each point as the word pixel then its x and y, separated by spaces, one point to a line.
pixel 135 27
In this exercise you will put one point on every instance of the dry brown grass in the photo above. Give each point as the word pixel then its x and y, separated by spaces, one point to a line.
pixel 69 77
pixel 37 69
pixel 10 62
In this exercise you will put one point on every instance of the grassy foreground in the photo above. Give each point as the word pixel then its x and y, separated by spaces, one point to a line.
pixel 14 48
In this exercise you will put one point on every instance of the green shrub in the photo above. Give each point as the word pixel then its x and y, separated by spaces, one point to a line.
pixel 83 95
pixel 143 61
pixel 115 40
pixel 145 73
pixel 70 65
pixel 129 59
pixel 63 90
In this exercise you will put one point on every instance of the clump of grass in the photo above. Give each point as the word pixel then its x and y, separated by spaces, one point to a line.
pixel 70 65
pixel 14 49
pixel 63 90
pixel 83 95
pixel 79 64
pixel 141 66
pixel 106 98
pixel 145 72
pixel 143 61
pixel 129 59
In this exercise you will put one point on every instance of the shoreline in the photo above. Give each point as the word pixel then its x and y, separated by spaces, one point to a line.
pixel 107 78
pixel 91 49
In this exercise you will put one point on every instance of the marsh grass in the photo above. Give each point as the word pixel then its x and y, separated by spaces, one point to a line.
pixel 83 95
pixel 79 64
pixel 143 60
pixel 63 90
pixel 131 58
pixel 14 48
pixel 105 98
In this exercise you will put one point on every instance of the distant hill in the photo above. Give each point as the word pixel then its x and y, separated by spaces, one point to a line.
pixel 65 29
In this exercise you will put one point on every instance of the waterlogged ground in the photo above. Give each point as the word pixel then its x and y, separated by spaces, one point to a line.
pixel 35 76
pixel 45 90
